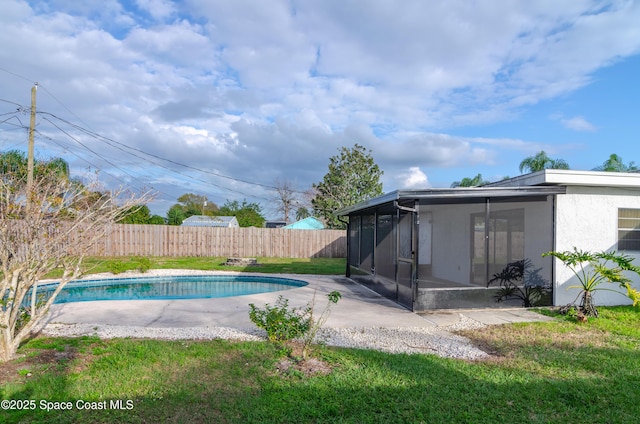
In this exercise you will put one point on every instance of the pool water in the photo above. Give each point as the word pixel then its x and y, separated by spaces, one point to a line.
pixel 172 287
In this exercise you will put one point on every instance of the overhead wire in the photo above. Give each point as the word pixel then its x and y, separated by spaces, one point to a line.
pixel 111 142
pixel 123 147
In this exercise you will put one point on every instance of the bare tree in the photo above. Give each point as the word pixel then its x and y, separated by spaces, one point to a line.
pixel 285 198
pixel 64 221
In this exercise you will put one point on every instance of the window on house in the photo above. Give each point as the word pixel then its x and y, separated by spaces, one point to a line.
pixel 628 229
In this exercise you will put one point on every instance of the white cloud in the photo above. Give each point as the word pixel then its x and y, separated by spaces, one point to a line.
pixel 578 123
pixel 261 90
pixel 413 178
pixel 159 9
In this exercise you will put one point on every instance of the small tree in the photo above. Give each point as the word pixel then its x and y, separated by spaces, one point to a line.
pixel 283 323
pixel 353 177
pixel 140 214
pixel 247 214
pixel 285 198
pixel 594 269
pixel 63 222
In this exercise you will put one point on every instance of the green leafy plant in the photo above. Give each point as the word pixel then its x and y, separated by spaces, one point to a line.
pixel 144 264
pixel 315 325
pixel 519 281
pixel 116 267
pixel 284 323
pixel 280 321
pixel 594 269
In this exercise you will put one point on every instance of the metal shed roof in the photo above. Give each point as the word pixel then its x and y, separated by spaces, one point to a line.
pixel 210 221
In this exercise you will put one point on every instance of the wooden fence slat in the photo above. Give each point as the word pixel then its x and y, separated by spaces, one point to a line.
pixel 166 240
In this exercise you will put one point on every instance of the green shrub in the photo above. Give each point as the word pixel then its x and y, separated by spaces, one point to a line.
pixel 116 267
pixel 281 322
pixel 144 264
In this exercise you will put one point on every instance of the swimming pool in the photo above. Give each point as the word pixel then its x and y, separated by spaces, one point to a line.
pixel 168 287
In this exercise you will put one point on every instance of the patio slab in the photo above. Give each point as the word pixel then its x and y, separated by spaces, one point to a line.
pixel 359 307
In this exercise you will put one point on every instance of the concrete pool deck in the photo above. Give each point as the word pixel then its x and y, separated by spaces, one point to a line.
pixel 359 307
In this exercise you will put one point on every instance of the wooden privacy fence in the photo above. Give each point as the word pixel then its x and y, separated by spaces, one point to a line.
pixel 168 240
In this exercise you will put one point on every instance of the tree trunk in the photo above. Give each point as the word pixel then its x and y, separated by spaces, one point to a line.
pixel 8 346
pixel 587 306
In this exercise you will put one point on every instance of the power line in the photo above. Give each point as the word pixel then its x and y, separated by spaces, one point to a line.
pixel 124 146
pixel 86 147
pixel 94 135
pixel 111 142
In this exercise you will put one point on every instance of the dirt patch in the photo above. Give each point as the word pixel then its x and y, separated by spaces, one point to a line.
pixel 295 363
pixel 309 367
pixel 29 365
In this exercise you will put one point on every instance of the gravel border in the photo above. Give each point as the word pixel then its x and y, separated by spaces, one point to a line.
pixel 411 340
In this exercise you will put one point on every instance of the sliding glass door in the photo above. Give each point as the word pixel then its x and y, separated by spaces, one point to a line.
pixel 496 240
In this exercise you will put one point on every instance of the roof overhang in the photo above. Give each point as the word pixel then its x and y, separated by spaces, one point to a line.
pixel 453 195
pixel 568 177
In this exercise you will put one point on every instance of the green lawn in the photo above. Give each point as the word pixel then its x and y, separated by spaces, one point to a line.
pixel 540 373
pixel 325 266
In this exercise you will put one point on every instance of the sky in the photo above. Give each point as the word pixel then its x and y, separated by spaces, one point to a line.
pixel 229 99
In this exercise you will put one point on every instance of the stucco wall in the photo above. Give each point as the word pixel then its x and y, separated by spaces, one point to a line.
pixel 587 218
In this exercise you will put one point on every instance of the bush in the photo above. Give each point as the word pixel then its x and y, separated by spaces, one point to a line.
pixel 116 267
pixel 280 322
pixel 144 264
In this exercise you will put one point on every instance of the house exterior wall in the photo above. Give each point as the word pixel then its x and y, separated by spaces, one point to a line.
pixel 587 218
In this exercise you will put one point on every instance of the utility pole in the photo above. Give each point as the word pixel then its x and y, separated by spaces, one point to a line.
pixel 32 130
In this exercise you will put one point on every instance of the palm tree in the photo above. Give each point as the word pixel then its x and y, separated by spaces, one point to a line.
pixel 15 162
pixel 470 182
pixel 541 161
pixel 615 164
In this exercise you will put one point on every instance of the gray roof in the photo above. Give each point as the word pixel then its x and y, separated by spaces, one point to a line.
pixel 210 221
pixel 548 181
pixel 452 195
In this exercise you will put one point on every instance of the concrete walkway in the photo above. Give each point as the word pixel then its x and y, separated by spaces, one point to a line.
pixel 359 308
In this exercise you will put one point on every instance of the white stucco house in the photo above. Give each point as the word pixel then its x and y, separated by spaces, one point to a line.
pixel 438 248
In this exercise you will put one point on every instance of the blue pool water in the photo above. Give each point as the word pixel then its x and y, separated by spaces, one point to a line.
pixel 169 287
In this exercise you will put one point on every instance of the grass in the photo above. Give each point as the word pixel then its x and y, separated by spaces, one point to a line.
pixel 540 373
pixel 322 266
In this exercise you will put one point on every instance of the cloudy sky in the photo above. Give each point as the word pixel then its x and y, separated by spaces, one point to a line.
pixel 224 98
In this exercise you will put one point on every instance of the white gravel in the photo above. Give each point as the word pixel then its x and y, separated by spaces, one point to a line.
pixel 433 340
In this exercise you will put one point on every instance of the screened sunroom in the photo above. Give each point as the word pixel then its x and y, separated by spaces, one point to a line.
pixel 441 248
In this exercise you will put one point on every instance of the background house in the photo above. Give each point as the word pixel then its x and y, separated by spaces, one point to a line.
pixel 211 221
pixel 309 223
pixel 275 224
pixel 438 248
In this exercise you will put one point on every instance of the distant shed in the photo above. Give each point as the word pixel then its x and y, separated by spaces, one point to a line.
pixel 211 221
